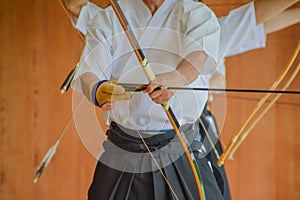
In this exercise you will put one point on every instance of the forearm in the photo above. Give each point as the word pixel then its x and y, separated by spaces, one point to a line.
pixel 103 94
pixel 74 6
pixel 186 72
pixel 191 66
pixel 102 3
pixel 267 9
pixel 217 81
pixel 86 80
pixel 285 19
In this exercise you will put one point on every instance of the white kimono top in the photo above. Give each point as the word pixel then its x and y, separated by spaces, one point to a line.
pixel 178 28
pixel 239 32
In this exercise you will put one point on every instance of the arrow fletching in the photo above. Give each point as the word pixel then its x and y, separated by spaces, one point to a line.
pixel 45 162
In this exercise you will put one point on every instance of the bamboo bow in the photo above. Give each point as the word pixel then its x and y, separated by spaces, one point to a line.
pixel 240 137
pixel 151 77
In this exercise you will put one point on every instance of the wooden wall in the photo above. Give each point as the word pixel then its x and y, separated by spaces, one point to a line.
pixel 39 47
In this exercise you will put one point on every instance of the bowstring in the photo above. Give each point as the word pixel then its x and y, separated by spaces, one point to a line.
pixel 156 163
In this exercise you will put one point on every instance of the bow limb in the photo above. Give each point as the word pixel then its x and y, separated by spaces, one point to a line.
pixel 246 133
pixel 227 152
pixel 151 76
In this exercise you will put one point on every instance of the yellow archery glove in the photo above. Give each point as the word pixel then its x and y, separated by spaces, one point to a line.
pixel 102 92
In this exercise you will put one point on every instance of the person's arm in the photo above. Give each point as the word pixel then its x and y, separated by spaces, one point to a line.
pixel 285 19
pixel 74 6
pixel 102 93
pixel 186 72
pixel 83 12
pixel 199 52
pixel 267 9
pixel 217 81
pixel 87 79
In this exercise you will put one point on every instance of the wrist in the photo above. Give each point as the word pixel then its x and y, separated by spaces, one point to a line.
pixel 93 91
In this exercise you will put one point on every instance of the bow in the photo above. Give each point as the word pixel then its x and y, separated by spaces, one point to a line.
pixel 239 138
pixel 151 77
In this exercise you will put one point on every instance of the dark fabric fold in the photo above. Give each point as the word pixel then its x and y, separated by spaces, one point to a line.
pixel 219 172
pixel 110 183
pixel 129 140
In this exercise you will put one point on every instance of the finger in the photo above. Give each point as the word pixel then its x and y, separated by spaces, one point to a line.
pixel 152 87
pixel 160 99
pixel 163 97
pixel 156 94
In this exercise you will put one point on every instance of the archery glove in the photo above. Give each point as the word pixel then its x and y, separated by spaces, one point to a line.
pixel 106 91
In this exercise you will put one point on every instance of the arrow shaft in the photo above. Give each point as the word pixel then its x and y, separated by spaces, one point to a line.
pixel 131 87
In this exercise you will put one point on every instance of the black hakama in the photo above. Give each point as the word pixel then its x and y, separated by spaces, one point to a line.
pixel 219 172
pixel 127 171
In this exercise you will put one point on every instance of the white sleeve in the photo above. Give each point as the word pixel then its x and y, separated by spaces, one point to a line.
pixel 239 32
pixel 87 14
pixel 202 33
pixel 96 57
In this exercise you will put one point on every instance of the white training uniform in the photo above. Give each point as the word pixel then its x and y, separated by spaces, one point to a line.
pixel 239 32
pixel 177 29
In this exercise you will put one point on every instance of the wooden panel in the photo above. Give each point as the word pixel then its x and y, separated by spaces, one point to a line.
pixel 287 153
pixel 38 48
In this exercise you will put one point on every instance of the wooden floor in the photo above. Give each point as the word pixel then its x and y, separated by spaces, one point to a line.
pixel 39 47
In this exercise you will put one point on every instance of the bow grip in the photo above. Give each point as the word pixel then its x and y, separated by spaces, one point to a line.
pixel 151 77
